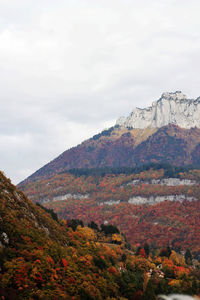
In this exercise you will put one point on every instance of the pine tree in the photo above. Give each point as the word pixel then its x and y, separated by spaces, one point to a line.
pixel 146 249
pixel 149 293
pixel 188 257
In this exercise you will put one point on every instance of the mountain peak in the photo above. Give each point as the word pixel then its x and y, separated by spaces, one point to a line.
pixel 172 108
pixel 178 95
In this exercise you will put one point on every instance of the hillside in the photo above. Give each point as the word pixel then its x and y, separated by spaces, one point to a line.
pixel 42 258
pixel 154 204
pixel 121 146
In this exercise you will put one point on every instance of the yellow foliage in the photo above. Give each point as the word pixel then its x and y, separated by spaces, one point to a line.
pixel 141 263
pixel 175 282
pixel 177 259
pixel 116 238
pixel 158 260
pixel 87 232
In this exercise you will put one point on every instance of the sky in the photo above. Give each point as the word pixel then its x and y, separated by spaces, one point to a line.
pixel 71 68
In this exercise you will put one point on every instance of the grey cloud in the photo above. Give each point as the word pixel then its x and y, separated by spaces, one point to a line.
pixel 68 69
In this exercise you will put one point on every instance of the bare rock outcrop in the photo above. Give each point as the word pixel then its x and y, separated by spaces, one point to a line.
pixel 171 108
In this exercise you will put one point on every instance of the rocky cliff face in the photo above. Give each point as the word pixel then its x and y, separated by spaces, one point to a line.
pixel 171 108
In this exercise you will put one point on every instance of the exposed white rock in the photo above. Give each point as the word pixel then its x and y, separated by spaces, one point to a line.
pixel 135 216
pixel 157 199
pixel 176 297
pixel 173 181
pixel 5 238
pixel 171 108
pixel 110 202
pixel 134 182
pixel 70 196
pixel 164 181
pixel 150 200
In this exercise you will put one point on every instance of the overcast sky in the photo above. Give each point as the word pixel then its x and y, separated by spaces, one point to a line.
pixel 70 68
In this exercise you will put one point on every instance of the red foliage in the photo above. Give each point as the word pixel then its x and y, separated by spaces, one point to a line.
pixel 64 262
pixel 142 252
pixel 71 280
pixel 112 270
pixel 50 260
pixel 172 222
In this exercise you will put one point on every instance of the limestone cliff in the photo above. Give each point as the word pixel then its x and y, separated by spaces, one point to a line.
pixel 171 108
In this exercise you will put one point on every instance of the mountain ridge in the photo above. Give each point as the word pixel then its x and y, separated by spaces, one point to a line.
pixel 171 108
pixel 167 132
pixel 129 147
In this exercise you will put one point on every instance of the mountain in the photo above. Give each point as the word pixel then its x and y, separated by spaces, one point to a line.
pixel 93 180
pixel 145 181
pixel 44 258
pixel 166 132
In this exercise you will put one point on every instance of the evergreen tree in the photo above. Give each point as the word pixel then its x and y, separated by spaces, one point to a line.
pixel 149 293
pixel 169 251
pixel 146 249
pixel 93 225
pixel 188 257
pixel 138 250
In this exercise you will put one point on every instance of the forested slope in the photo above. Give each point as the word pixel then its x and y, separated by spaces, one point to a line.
pixel 44 258
pixel 161 205
pixel 119 147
